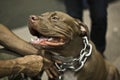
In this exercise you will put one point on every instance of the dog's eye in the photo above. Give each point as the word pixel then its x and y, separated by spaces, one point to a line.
pixel 55 18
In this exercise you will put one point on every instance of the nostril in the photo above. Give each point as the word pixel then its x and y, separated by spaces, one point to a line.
pixel 34 17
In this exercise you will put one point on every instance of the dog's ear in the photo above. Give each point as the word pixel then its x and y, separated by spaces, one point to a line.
pixel 82 28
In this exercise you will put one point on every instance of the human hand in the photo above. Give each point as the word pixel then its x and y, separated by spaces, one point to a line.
pixel 50 68
pixel 30 65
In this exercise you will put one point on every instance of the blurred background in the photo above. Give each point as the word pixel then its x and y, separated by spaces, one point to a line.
pixel 14 14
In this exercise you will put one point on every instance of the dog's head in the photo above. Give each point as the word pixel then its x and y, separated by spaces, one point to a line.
pixel 56 29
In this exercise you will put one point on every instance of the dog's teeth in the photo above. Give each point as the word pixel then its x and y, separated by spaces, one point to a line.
pixel 35 39
pixel 50 39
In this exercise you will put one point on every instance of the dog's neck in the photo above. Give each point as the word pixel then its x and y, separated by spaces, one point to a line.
pixel 74 62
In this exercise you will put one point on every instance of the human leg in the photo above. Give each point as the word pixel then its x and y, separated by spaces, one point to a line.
pixel 74 8
pixel 98 14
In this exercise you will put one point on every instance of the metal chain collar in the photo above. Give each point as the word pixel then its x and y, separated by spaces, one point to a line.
pixel 84 54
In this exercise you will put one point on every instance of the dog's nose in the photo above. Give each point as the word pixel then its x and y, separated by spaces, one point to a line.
pixel 34 17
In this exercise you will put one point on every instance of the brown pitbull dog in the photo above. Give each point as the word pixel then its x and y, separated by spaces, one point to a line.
pixel 66 41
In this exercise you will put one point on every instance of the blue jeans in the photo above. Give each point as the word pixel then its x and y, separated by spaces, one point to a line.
pixel 98 15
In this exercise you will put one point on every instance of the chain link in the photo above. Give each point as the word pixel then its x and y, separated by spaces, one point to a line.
pixel 84 54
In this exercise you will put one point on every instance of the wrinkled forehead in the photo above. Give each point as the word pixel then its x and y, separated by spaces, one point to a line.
pixel 57 13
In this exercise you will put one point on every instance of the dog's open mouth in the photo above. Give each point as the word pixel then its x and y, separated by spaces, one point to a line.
pixel 48 41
